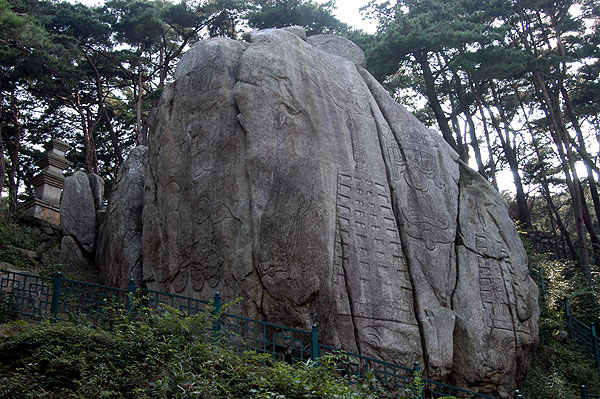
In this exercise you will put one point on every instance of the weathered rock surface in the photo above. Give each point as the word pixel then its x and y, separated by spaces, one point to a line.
pixel 496 316
pixel 77 210
pixel 26 253
pixel 339 46
pixel 6 266
pixel 73 256
pixel 286 175
pixel 119 254
pixel 97 187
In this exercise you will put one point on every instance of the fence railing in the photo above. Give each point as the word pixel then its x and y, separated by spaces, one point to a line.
pixel 64 299
pixel 582 334
pixel 585 395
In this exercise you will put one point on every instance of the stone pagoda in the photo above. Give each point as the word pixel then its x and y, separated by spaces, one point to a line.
pixel 49 183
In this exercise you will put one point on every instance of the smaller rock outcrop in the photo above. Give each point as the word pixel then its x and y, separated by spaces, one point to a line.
pixel 339 46
pixel 72 255
pixel 77 210
pixel 119 254
pixel 81 199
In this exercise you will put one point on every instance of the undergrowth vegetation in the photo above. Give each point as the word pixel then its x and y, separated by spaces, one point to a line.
pixel 19 235
pixel 166 355
pixel 169 355
pixel 559 366
pixel 14 235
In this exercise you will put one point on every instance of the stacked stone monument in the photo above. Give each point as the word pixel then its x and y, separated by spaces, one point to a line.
pixel 49 183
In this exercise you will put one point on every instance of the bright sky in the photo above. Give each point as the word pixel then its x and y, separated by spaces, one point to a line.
pixel 348 12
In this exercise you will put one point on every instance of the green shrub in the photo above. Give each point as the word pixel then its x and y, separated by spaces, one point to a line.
pixel 151 355
pixel 559 368
pixel 15 235
pixel 5 310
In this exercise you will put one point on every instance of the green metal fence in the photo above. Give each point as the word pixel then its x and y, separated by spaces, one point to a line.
pixel 397 380
pixel 31 296
pixel 586 395
pixel 153 299
pixel 282 343
pixel 582 334
pixel 59 298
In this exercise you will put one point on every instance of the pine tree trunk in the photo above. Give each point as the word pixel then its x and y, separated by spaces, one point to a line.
pixel 2 149
pixel 434 103
pixel 102 110
pixel 491 161
pixel 559 135
pixel 586 158
pixel 552 208
pixel 14 148
pixel 472 130
pixel 87 127
pixel 509 152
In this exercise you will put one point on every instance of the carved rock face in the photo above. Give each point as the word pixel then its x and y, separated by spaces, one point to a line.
pixel 119 255
pixel 286 175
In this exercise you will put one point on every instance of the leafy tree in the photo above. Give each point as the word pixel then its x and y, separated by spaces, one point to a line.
pixel 30 59
pixel 520 77
pixel 316 18
pixel 444 46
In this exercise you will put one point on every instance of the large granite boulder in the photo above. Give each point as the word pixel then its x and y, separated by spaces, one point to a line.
pixel 119 254
pixel 286 175
pixel 78 211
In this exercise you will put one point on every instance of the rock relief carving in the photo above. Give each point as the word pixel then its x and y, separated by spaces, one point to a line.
pixel 329 80
pixel 202 262
pixel 494 296
pixel 181 279
pixel 414 161
pixel 281 236
pixel 351 102
pixel 502 349
pixel 424 222
pixel 414 164
pixel 374 336
pixel 367 236
pixel 203 78
pixel 171 220
pixel 495 268
pixel 357 147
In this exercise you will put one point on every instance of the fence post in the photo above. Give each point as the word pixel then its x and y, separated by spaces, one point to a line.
pixel 418 382
pixel 595 345
pixel 130 294
pixel 216 327
pixel 568 316
pixel 314 343
pixel 56 294
pixel 583 391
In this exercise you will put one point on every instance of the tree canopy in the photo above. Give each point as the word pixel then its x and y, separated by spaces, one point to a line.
pixel 510 85
pixel 513 86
